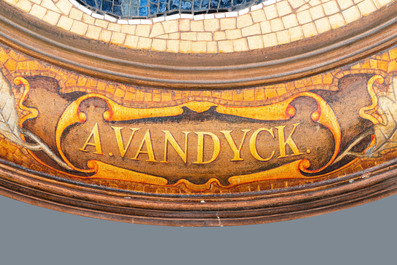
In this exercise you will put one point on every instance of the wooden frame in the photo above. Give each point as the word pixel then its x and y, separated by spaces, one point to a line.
pixel 288 63
pixel 49 192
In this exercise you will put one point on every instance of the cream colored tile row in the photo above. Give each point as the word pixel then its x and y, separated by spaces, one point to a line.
pixel 269 24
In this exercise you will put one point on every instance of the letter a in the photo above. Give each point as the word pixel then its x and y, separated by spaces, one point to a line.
pixel 147 140
pixel 97 142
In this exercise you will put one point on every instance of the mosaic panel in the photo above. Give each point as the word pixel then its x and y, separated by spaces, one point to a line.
pixel 267 24
pixel 154 8
pixel 166 147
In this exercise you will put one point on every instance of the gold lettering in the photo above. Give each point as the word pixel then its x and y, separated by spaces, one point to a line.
pixel 233 146
pixel 289 141
pixel 119 139
pixel 97 141
pixel 147 140
pixel 200 147
pixel 253 147
pixel 170 139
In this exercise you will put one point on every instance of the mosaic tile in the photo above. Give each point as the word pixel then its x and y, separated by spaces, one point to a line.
pixel 268 24
pixel 154 8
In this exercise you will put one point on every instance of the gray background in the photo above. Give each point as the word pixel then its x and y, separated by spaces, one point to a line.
pixel 361 235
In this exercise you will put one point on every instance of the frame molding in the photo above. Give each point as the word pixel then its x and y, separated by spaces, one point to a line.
pixel 189 210
pixel 334 49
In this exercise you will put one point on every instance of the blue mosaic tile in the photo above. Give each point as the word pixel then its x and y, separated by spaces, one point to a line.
pixel 129 9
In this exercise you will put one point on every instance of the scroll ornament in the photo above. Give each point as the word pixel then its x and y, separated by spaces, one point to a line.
pixel 10 126
pixel 13 130
pixel 381 113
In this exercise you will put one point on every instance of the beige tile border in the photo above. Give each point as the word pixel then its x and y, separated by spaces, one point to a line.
pixel 268 24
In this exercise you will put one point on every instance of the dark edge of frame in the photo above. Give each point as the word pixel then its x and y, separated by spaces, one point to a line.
pixel 206 210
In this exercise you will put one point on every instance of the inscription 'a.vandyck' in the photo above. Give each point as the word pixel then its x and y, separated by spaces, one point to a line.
pixel 206 144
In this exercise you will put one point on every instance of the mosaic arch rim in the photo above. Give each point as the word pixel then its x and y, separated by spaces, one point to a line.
pixel 286 62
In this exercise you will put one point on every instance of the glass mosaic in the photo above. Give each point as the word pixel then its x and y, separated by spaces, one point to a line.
pixel 143 9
